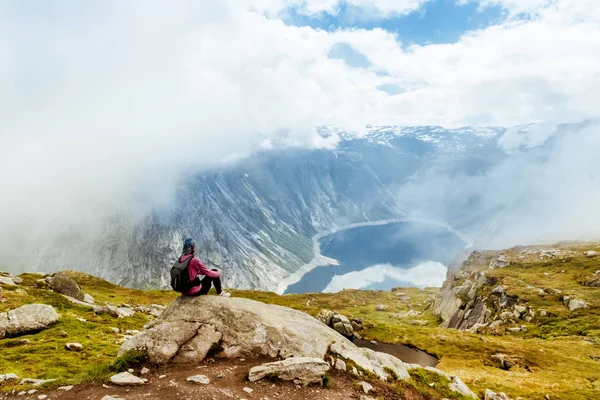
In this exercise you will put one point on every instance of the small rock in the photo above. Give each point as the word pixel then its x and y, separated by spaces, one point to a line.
pixel 458 386
pixel 520 309
pixel 132 332
pixel 498 291
pixel 6 281
pixel 495 324
pixel 162 376
pixel 130 370
pixel 127 379
pixel 42 396
pixel 381 307
pixel 8 377
pixel 354 371
pixel 366 387
pixel 576 304
pixel 144 371
pixel 62 333
pixel 203 379
pixel 66 388
pixel 22 393
pixel 81 319
pixel 17 280
pixel 340 365
pixel 63 284
pixel 35 382
pixel 489 395
pixel 248 390
pixel 74 346
pixel 88 299
pixel 591 253
pixel 112 398
pixel 115 330
pixel 542 313
pixel 32 391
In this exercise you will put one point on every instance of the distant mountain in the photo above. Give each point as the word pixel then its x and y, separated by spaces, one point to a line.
pixel 256 218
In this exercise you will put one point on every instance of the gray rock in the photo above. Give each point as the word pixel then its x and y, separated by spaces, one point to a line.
pixel 340 365
pixel 252 328
pixel 35 382
pixel 495 324
pixel 381 307
pixel 27 319
pixel 144 371
pixel 591 253
pixel 566 300
pixel 127 379
pixel 8 377
pixel 498 291
pixel 107 397
pixel 65 388
pixel 325 316
pixel 63 284
pixel 499 262
pixel 7 281
pixel 88 299
pixel 196 349
pixel 366 387
pixel 202 379
pixel 305 369
pixel 17 280
pixel 115 330
pixel 542 313
pixel 576 304
pixel 74 346
pixel 520 309
pixel 507 315
pixel 456 385
pixel 489 395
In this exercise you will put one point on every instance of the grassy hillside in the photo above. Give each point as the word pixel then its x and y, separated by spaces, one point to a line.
pixel 558 355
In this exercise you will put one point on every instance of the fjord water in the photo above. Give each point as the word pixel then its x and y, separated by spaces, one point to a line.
pixel 404 245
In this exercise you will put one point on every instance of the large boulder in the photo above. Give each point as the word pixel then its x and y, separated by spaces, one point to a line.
pixel 27 319
pixel 63 284
pixel 236 327
pixel 304 369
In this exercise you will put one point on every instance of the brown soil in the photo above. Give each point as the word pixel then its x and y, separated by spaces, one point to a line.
pixel 227 381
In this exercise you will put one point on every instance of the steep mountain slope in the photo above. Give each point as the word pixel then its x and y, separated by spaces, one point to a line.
pixel 255 219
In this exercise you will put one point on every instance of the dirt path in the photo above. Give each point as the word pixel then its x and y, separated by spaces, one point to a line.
pixel 227 381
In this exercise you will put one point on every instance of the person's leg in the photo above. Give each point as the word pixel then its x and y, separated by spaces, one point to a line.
pixel 217 283
pixel 206 283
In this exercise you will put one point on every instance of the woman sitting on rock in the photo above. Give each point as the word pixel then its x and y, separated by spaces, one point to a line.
pixel 200 277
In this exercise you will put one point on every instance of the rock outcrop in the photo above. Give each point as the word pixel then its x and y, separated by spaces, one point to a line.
pixel 340 323
pixel 236 327
pixel 306 370
pixel 27 319
pixel 63 284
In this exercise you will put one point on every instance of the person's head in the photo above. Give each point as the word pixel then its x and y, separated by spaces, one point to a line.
pixel 189 246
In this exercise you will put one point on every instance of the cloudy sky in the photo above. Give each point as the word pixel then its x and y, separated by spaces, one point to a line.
pixel 97 96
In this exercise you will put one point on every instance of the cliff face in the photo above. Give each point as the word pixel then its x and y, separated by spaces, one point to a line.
pixel 484 294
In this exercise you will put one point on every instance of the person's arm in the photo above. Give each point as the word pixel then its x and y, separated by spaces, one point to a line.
pixel 201 269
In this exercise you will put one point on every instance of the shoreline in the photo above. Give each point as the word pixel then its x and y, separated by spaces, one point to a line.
pixel 319 260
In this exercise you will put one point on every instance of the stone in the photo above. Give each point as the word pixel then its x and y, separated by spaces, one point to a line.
pixel 342 325
pixel 62 333
pixel 576 304
pixel 566 300
pixel 542 313
pixel 42 396
pixel 381 307
pixel 74 346
pixel 498 291
pixel 489 395
pixel 456 385
pixel 495 324
pixel 107 397
pixel 305 369
pixel 202 379
pixel 32 391
pixel 7 281
pixel 196 349
pixel 63 284
pixel 248 390
pixel 144 371
pixel 366 387
pixel 251 328
pixel 591 253
pixel 115 330
pixel 88 299
pixel 65 388
pixel 325 316
pixel 29 318
pixel 8 377
pixel 499 262
pixel 340 365
pixel 507 315
pixel 35 382
pixel 127 379
pixel 520 309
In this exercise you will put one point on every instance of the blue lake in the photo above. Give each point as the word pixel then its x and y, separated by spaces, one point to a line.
pixel 401 244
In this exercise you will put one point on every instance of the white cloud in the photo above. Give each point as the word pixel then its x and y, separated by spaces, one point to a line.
pixel 429 273
pixel 98 97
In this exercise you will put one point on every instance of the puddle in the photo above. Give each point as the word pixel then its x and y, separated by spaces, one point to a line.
pixel 404 353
